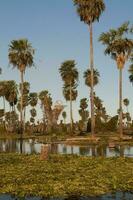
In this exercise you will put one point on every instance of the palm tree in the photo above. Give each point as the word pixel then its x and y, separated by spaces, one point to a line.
pixel 46 105
pixel 82 111
pixel 119 46
pixel 26 98
pixel 11 93
pixel 69 75
pixel 126 103
pixel 89 12
pixel 3 89
pixel 21 56
pixel 33 99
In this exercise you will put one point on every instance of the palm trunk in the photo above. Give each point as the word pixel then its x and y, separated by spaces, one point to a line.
pixel 21 104
pixel 4 111
pixel 24 118
pixel 92 84
pixel 43 119
pixel 120 104
pixel 71 114
pixel 10 118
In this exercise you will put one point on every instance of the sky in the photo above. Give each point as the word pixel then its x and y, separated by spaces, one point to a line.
pixel 57 34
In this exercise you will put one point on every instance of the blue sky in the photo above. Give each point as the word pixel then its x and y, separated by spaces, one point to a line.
pixel 55 31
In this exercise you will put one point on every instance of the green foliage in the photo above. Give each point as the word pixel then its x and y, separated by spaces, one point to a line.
pixel 1 113
pixel 111 125
pixel 68 72
pixel 131 73
pixel 82 111
pixel 126 102
pixel 26 87
pixel 89 10
pixel 87 77
pixel 33 112
pixel 118 43
pixel 67 90
pixel 21 54
pixel 33 99
pixel 64 115
pixel 61 176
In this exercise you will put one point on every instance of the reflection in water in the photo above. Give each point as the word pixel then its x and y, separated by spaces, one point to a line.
pixel 31 146
pixel 115 196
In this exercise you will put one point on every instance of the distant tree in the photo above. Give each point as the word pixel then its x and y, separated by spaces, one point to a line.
pixel 87 76
pixel 131 72
pixel 83 112
pixel 33 114
pixel 33 99
pixel 46 105
pixel 64 115
pixel 126 103
pixel 26 99
pixel 69 75
pixel 11 93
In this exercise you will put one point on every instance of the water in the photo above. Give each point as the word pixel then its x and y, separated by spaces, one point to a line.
pixel 115 196
pixel 31 146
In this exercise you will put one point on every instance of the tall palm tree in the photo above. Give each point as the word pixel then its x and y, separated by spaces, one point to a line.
pixel 69 75
pixel 119 46
pixel 89 12
pixel 21 56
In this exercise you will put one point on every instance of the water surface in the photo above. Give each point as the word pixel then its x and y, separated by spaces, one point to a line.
pixel 115 196
pixel 31 146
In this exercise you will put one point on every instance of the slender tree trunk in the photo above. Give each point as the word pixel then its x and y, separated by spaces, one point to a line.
pixel 21 104
pixel 24 118
pixel 92 84
pixel 120 104
pixel 44 116
pixel 4 111
pixel 71 114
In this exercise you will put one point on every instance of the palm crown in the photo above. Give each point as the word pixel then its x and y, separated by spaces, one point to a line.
pixel 21 54
pixel 68 71
pixel 118 46
pixel 87 76
pixel 89 10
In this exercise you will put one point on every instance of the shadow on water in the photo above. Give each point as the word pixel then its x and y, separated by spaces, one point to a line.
pixel 115 196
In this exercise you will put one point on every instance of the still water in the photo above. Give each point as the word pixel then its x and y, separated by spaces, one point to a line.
pixel 31 146
pixel 115 196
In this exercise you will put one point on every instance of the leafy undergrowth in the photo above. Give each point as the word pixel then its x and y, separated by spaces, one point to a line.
pixel 64 175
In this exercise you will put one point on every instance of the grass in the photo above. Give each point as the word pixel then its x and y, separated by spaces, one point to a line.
pixel 64 175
